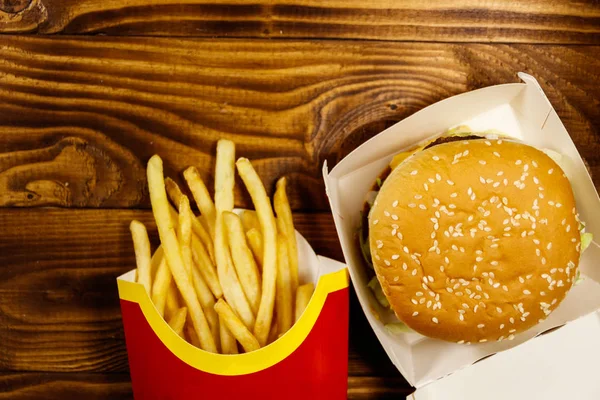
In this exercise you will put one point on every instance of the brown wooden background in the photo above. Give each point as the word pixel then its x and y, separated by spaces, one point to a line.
pixel 90 89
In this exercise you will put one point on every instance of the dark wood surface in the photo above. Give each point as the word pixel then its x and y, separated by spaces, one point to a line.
pixel 81 113
pixel 531 21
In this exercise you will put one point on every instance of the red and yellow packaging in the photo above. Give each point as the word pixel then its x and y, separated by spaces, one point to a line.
pixel 309 362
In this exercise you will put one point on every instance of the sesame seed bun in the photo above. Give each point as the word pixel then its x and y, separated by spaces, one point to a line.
pixel 475 240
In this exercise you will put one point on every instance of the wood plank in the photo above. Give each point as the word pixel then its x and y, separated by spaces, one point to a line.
pixel 66 386
pixel 533 21
pixel 59 306
pixel 80 116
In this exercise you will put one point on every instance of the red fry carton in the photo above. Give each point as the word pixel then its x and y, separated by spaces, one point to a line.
pixel 310 361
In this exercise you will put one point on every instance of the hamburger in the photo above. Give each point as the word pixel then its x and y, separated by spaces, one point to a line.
pixel 472 238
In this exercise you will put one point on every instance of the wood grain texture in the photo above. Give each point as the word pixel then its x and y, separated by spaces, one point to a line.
pixel 533 21
pixel 60 386
pixel 92 386
pixel 79 117
pixel 59 306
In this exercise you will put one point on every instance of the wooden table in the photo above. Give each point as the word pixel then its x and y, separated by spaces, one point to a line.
pixel 89 90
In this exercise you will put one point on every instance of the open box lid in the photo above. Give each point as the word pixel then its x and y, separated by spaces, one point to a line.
pixel 563 365
pixel 520 110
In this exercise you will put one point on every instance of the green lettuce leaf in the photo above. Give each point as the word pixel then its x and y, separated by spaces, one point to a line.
pixel 378 292
pixel 398 327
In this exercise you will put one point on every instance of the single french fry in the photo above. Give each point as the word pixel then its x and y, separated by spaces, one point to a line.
pixel 177 321
pixel 204 237
pixel 284 300
pixel 157 258
pixel 236 326
pixel 286 225
pixel 161 285
pixel 269 230
pixel 250 220
pixel 255 242
pixel 201 196
pixel 207 301
pixel 243 260
pixel 303 295
pixel 207 269
pixel 175 194
pixel 184 231
pixel 228 342
pixel 162 215
pixel 171 301
pixel 194 341
pixel 273 333
pixel 143 254
pixel 224 184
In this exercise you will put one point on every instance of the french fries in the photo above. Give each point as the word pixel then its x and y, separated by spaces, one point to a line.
pixel 201 197
pixel 250 220
pixel 221 279
pixel 255 243
pixel 236 326
pixel 177 321
pixel 207 269
pixel 283 301
pixel 161 286
pixel 228 343
pixel 207 301
pixel 267 222
pixel 143 254
pixel 303 296
pixel 243 259
pixel 286 226
pixel 175 194
pixel 184 233
pixel 224 183
pixel 160 208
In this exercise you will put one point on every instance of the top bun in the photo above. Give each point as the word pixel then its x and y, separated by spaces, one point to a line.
pixel 475 240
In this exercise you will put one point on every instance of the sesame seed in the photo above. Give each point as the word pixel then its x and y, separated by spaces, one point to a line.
pixel 475 308
pixel 429 303
pixel 422 300
pixel 412 205
pixel 461 317
pixel 387 262
pixel 534 164
pixel 536 180
pixel 511 337
pixel 415 313
pixel 568 228
pixel 399 235
pixel 425 187
pixel 414 272
pixel 453 194
pixel 543 261
pixel 550 171
pixel 395 256
pixel 436 158
pixel 430 278
pixel 379 244
pixel 526 291
pixel 521 279
pixel 481 326
pixel 505 181
pixel 494 263
pixel 431 180
pixel 505 288
pixel 481 179
pixel 396 278
pixel 518 162
pixel 422 207
pixel 406 250
pixel 394 217
pixel 512 320
pixel 435 320
pixel 414 301
pixel 450 182
pixel 404 266
pixel 375 222
pixel 414 172
pixel 496 154
pixel 525 167
pixel 465 305
pixel 438 177
pixel 482 162
pixel 499 312
pixel 465 153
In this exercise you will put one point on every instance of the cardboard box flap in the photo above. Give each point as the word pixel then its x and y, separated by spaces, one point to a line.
pixel 520 110
pixel 568 358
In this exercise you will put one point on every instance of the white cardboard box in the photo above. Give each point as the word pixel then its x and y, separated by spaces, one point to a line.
pixel 520 110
